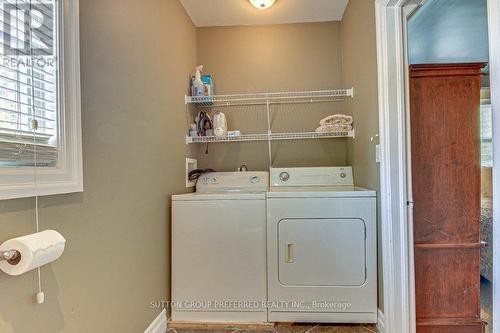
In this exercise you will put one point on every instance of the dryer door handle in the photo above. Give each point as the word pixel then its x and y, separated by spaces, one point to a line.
pixel 289 253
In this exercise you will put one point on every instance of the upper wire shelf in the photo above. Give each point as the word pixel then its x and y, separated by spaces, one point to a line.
pixel 271 98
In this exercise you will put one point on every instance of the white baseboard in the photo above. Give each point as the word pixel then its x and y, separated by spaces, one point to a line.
pixel 381 321
pixel 159 325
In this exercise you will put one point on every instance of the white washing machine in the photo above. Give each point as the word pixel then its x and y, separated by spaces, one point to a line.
pixel 219 249
pixel 321 247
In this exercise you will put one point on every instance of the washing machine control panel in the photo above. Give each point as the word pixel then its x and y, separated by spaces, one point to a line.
pixel 322 176
pixel 233 181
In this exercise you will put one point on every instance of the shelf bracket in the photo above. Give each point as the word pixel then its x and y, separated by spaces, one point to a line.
pixel 269 131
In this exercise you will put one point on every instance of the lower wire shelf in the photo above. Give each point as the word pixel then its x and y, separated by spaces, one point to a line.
pixel 270 136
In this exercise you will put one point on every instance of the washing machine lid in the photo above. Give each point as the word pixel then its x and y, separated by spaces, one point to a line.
pixel 210 196
pixel 341 191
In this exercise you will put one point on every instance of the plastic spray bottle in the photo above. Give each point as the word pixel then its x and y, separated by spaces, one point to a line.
pixel 198 88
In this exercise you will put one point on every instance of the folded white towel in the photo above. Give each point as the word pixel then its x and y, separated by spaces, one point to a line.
pixel 337 119
pixel 333 128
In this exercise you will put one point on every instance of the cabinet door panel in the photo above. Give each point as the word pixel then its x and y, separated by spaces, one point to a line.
pixel 445 158
pixel 445 286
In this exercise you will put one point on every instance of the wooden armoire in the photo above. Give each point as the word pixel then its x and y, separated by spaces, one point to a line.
pixel 445 158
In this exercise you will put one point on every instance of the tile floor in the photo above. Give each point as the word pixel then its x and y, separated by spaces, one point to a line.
pixel 296 328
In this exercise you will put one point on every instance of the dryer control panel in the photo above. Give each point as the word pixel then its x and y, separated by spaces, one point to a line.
pixel 322 176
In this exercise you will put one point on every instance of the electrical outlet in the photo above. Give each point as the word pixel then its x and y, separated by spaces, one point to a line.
pixel 191 164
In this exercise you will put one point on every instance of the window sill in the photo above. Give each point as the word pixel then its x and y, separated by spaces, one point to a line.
pixel 30 190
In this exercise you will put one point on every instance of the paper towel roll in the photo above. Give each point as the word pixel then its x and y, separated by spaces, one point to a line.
pixel 36 250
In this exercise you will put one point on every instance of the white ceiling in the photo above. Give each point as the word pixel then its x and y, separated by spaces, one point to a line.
pixel 206 13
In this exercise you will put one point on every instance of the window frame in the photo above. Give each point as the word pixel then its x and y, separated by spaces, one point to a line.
pixel 67 175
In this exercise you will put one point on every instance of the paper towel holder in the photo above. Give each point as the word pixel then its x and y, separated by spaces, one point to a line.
pixel 12 256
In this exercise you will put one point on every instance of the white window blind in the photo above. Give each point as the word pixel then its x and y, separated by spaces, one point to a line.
pixel 29 83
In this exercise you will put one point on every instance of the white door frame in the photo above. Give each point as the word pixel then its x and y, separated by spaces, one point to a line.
pixel 397 241
pixel 494 38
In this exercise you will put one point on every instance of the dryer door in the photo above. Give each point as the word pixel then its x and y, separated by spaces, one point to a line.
pixel 322 252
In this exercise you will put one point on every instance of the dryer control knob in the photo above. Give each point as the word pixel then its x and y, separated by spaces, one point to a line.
pixel 284 176
pixel 254 179
pixel 343 175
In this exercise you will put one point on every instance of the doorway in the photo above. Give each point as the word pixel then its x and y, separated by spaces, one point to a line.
pixel 392 16
pixel 451 172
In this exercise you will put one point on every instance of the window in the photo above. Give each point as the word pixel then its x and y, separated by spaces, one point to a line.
pixel 40 135
pixel 486 134
pixel 29 86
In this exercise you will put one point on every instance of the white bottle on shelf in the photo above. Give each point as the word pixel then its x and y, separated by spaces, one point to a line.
pixel 220 124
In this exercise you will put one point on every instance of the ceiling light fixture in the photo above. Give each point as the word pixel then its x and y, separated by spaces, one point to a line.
pixel 262 4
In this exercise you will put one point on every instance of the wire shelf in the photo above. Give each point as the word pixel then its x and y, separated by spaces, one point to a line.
pixel 271 137
pixel 271 98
